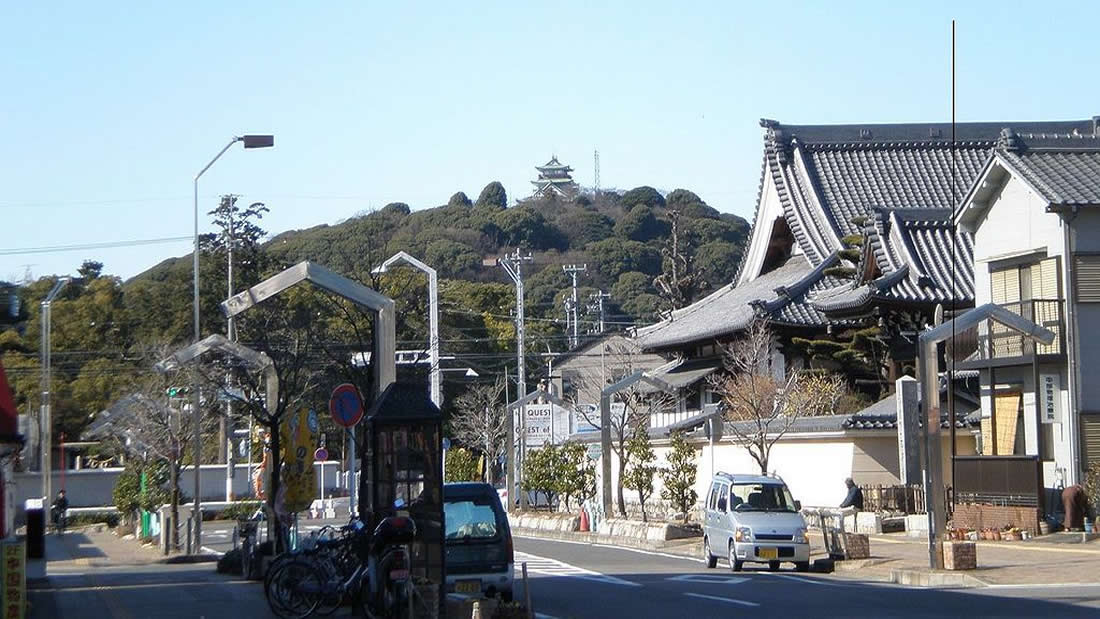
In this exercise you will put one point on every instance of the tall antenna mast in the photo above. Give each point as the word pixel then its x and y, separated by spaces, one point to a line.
pixel 596 158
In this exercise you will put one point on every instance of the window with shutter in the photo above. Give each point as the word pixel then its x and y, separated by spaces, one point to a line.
pixel 1006 292
pixel 1046 311
pixel 1090 434
pixel 1087 269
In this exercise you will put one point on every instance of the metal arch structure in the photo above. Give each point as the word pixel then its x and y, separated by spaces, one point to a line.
pixel 624 383
pixel 253 359
pixel 435 375
pixel 258 361
pixel 930 396
pixel 539 393
pixel 382 306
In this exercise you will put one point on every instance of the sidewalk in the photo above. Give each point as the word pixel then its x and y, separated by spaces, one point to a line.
pixel 999 563
pixel 97 574
pixel 91 547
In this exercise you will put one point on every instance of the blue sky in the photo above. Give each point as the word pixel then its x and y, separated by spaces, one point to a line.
pixel 108 111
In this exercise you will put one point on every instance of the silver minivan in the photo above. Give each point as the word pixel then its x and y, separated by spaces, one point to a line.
pixel 753 518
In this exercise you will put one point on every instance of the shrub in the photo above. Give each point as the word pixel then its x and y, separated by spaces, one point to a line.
pixel 679 477
pixel 238 510
pixel 110 519
pixel 462 465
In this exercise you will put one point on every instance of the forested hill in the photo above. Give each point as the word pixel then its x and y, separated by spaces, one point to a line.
pixel 620 237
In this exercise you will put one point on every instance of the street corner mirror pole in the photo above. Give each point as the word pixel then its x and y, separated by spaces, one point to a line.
pixel 250 141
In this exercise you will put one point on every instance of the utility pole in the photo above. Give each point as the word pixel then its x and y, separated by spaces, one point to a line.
pixel 598 299
pixel 572 270
pixel 513 264
pixel 45 432
pixel 225 428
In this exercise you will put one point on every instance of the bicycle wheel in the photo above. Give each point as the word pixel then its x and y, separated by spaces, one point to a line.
pixel 332 596
pixel 296 590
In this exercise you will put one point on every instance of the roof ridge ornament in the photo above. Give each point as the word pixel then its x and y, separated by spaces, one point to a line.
pixel 1009 140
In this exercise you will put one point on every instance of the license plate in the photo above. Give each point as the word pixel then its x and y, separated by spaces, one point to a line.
pixel 468 586
pixel 399 574
pixel 768 553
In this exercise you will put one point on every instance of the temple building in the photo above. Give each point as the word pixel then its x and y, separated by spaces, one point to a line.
pixel 555 181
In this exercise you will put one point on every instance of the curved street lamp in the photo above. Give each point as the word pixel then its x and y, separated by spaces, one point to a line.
pixel 249 141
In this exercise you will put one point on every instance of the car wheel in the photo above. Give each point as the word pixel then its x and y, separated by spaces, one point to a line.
pixel 735 565
pixel 709 559
pixel 773 566
pixel 802 566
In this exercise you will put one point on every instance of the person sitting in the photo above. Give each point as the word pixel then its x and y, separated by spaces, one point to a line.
pixel 854 497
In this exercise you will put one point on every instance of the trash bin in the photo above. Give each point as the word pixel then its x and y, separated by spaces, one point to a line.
pixel 36 528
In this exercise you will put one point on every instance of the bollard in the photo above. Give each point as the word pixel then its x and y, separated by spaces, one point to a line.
pixel 527 593
pixel 166 532
pixel 189 519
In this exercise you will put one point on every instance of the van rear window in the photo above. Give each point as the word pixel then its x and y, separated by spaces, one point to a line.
pixel 470 520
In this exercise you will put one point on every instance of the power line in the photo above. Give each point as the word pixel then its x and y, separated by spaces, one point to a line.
pixel 82 246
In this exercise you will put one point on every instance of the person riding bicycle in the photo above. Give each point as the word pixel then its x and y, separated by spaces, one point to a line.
pixel 58 509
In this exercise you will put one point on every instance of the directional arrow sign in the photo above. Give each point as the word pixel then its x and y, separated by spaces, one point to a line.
pixel 345 405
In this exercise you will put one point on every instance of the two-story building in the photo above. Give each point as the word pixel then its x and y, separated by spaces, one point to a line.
pixel 1034 213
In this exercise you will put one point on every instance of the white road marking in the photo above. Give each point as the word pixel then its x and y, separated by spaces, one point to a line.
pixel 211 551
pixel 626 548
pixel 711 579
pixel 553 567
pixel 721 599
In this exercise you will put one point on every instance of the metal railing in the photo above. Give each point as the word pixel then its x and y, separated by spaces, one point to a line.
pixel 990 340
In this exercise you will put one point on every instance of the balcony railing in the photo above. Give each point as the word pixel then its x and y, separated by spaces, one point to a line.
pixel 991 341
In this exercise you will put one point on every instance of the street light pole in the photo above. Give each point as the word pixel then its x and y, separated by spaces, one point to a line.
pixel 250 141
pixel 45 431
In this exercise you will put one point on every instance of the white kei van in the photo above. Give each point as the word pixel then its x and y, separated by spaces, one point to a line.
pixel 753 518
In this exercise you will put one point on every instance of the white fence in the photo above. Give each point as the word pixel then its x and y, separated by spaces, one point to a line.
pixel 93 487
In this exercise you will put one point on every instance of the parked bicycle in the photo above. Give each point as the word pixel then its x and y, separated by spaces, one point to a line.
pixel 370 569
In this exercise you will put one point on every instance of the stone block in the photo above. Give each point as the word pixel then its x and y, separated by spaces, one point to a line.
pixel 857 545
pixel 868 522
pixel 960 556
pixel 916 525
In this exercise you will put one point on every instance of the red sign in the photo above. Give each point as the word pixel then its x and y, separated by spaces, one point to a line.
pixel 321 454
pixel 345 405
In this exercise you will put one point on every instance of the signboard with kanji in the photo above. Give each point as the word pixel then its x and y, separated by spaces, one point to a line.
pixel 13 560
pixel 1050 398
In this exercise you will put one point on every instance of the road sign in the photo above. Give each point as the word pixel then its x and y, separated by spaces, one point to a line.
pixel 345 405
pixel 446 443
pixel 321 454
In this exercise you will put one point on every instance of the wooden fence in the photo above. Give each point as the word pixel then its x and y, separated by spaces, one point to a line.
pixel 898 499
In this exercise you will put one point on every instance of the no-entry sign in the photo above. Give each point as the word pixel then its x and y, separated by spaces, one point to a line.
pixel 345 405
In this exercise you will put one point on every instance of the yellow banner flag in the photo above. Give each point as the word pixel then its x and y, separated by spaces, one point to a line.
pixel 299 439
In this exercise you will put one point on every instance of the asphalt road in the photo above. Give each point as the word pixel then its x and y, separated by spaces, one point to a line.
pixel 217 536
pixel 573 581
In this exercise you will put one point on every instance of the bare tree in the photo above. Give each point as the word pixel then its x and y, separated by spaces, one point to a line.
pixel 636 404
pixel 762 406
pixel 481 421
pixel 148 424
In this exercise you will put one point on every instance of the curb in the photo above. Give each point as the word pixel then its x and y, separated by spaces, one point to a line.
pixel 203 558
pixel 940 580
